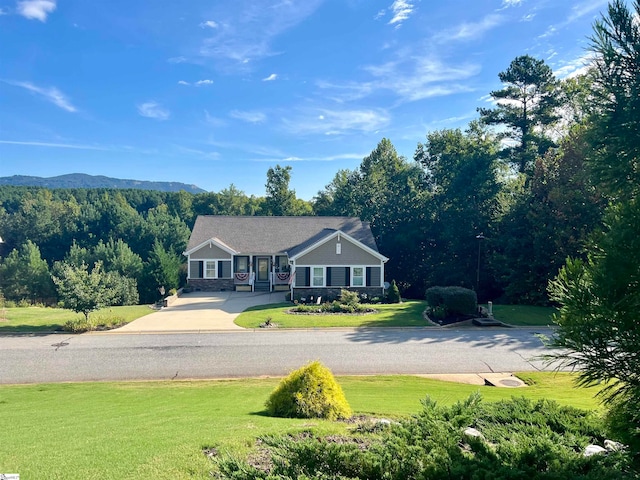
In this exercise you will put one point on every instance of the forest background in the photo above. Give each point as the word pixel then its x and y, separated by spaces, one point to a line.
pixel 497 207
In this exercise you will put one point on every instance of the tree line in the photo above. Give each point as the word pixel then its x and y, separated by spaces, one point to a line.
pixel 493 209
pixel 136 236
pixel 497 206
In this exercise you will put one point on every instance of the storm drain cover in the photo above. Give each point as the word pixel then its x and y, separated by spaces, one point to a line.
pixel 510 383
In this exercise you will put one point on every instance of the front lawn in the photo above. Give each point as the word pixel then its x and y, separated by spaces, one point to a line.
pixel 524 315
pixel 142 430
pixel 45 319
pixel 406 314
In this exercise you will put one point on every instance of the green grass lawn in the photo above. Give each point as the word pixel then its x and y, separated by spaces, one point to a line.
pixel 157 430
pixel 406 314
pixel 524 315
pixel 44 319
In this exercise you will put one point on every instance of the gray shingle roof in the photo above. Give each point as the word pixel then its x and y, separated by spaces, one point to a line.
pixel 275 235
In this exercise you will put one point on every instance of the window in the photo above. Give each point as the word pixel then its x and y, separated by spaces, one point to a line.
pixel 242 264
pixel 357 276
pixel 210 269
pixel 318 276
pixel 282 264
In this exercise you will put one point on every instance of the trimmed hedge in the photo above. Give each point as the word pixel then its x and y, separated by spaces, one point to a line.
pixel 454 300
pixel 309 392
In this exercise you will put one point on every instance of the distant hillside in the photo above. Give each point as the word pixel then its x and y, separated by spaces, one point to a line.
pixel 81 180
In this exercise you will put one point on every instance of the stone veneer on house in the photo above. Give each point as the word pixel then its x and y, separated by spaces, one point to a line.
pixel 211 284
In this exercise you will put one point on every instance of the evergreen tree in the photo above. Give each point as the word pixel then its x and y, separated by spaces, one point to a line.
pixel 525 106
pixel 24 275
pixel 600 298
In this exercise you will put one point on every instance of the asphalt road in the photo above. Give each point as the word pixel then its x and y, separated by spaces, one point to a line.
pixel 96 357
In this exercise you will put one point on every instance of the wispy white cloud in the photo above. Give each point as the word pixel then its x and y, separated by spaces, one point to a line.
pixel 550 31
pixel 36 9
pixel 250 117
pixel 51 94
pixel 487 99
pixel 153 110
pixel 585 8
pixel 336 122
pixel 199 83
pixel 575 67
pixel 511 3
pixel 209 24
pixel 578 11
pixel 212 155
pixel 245 32
pixel 270 78
pixel 410 76
pixel 380 14
pixel 179 59
pixel 213 121
pixel 401 9
pixel 54 145
pixel 327 158
pixel 471 30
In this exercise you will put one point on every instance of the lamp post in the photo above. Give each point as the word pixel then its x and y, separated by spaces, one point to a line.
pixel 479 237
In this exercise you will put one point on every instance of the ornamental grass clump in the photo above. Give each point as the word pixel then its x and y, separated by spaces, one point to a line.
pixel 309 392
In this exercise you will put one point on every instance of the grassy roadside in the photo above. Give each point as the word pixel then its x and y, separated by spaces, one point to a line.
pixel 158 429
pixel 524 315
pixel 44 319
pixel 406 314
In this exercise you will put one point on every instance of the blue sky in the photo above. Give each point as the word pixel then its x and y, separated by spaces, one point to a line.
pixel 215 92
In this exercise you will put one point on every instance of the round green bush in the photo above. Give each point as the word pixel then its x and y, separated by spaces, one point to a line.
pixel 309 392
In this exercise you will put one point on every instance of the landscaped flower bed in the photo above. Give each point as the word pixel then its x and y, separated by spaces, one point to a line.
pixel 332 308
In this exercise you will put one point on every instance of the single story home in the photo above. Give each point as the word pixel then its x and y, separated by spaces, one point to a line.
pixel 309 256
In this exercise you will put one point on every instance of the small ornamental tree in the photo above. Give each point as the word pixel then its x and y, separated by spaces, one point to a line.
pixel 84 291
pixel 309 392
pixel 393 295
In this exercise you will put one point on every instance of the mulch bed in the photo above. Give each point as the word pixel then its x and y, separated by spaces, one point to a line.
pixel 368 312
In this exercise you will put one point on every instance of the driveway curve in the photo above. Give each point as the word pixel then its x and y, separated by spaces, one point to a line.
pixel 201 311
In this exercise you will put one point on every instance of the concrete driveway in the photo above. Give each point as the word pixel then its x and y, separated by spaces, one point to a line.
pixel 201 311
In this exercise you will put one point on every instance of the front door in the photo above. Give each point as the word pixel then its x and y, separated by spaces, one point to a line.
pixel 263 269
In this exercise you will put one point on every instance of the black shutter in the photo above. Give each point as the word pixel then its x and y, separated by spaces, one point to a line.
pixel 329 276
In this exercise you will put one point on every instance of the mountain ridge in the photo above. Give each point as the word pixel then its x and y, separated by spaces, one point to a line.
pixel 83 180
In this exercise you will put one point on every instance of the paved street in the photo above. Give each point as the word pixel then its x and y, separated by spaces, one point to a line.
pixel 63 357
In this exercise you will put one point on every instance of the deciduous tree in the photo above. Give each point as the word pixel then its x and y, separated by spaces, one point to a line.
pixel 83 290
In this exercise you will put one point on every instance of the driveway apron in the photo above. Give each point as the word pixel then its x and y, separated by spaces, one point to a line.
pixel 201 311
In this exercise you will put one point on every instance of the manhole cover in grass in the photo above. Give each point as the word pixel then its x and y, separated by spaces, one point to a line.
pixel 510 383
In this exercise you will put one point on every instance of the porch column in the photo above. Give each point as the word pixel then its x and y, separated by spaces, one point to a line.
pixel 272 275
pixel 253 283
